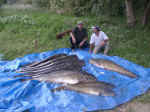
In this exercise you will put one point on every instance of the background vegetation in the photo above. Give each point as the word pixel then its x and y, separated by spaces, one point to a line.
pixel 23 32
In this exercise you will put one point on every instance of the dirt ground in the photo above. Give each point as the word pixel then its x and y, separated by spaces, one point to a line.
pixel 139 104
pixel 132 107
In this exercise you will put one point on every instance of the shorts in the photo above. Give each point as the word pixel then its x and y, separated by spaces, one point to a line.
pixel 104 48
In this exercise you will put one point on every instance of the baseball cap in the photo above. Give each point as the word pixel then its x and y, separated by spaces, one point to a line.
pixel 96 27
pixel 80 22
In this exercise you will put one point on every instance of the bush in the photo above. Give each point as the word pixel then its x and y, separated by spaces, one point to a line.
pixel 2 2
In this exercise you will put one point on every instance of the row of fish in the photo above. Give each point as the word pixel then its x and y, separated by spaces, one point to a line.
pixel 66 70
pixel 76 81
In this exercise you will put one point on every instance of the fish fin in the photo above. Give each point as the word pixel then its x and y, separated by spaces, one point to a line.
pixel 58 89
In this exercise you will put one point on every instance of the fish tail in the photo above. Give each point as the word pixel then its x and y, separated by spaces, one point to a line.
pixel 132 75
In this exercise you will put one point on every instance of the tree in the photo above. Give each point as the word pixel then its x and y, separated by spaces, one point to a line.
pixel 129 13
pixel 146 13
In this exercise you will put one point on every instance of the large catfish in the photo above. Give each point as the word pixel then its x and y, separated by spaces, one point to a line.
pixel 110 65
pixel 62 77
pixel 93 88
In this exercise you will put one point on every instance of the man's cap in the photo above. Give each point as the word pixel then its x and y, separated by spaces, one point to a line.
pixel 80 22
pixel 96 27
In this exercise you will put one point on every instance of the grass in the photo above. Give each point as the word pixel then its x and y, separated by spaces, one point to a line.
pixel 18 38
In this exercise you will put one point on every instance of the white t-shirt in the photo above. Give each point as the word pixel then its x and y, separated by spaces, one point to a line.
pixel 96 40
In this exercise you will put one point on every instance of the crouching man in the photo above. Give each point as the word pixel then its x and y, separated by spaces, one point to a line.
pixel 79 37
pixel 99 41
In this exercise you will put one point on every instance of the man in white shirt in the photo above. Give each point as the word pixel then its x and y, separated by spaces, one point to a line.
pixel 98 41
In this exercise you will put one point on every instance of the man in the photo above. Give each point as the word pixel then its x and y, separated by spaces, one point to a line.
pixel 79 37
pixel 98 41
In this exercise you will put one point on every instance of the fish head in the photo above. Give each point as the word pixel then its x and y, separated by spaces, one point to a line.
pixel 107 92
pixel 97 62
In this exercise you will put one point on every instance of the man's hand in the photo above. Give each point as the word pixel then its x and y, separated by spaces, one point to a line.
pixel 91 47
pixel 81 44
pixel 102 43
pixel 74 40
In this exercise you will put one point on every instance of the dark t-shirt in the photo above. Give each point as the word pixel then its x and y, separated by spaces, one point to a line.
pixel 79 35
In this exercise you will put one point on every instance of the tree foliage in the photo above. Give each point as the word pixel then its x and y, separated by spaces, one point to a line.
pixel 98 8
pixel 84 7
pixel 2 2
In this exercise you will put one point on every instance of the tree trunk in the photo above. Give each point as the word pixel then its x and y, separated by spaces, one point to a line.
pixel 111 7
pixel 146 13
pixel 129 13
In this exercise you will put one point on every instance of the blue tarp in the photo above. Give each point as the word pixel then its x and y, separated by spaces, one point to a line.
pixel 35 96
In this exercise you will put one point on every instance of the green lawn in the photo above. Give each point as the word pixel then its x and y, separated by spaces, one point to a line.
pixel 21 29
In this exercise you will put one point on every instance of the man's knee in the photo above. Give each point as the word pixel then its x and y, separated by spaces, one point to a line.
pixel 85 45
pixel 106 48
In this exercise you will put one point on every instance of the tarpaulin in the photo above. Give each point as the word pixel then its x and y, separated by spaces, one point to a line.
pixel 35 96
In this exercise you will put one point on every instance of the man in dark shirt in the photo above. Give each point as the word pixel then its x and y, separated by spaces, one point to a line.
pixel 79 37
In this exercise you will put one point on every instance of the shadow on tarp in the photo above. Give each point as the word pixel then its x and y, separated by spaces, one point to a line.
pixel 35 96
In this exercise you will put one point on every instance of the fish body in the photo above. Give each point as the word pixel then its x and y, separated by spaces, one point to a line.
pixel 92 88
pixel 65 77
pixel 110 65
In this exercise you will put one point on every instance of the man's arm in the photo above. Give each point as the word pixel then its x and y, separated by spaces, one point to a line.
pixel 73 38
pixel 105 39
pixel 82 42
pixel 92 43
pixel 104 42
pixel 85 38
pixel 91 47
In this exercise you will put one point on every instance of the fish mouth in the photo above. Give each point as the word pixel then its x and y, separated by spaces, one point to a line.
pixel 99 65
pixel 93 62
